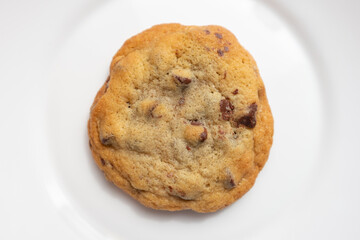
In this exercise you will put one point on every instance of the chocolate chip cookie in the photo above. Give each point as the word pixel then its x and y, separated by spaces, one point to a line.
pixel 183 121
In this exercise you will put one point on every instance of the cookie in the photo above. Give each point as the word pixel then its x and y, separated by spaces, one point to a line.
pixel 183 121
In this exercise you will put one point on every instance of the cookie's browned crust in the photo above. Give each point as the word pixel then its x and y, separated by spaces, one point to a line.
pixel 183 121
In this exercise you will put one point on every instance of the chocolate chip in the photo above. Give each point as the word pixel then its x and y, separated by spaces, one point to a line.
pixel 188 148
pixel 170 189
pixel 249 120
pixel 226 49
pixel 106 140
pixel 102 161
pixel 203 135
pixel 219 35
pixel 235 92
pixel 183 80
pixel 232 183
pixel 207 32
pixel 253 108
pixel 220 52
pixel 195 122
pixel 181 101
pixel 226 108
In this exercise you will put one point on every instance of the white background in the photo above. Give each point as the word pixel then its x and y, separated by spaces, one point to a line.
pixel 42 195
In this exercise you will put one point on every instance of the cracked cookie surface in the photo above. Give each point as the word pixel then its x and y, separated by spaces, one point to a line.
pixel 183 121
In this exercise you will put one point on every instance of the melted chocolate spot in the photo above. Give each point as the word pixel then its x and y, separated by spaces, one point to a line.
pixel 102 161
pixel 106 140
pixel 183 80
pixel 203 135
pixel 235 92
pixel 207 32
pixel 220 52
pixel 226 108
pixel 232 183
pixel 249 120
pixel 253 108
pixel 219 35
pixel 226 49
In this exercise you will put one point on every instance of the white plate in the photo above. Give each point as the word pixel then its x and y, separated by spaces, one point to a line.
pixel 59 57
